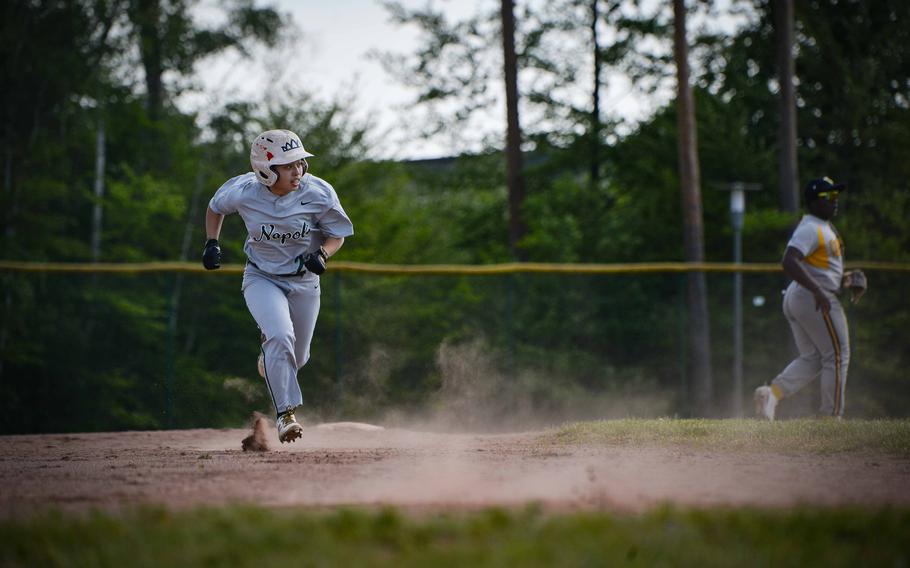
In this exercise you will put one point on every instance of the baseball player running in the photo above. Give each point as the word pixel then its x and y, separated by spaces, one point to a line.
pixel 814 259
pixel 295 223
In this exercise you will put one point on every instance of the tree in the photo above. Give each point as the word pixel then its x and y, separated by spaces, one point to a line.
pixel 595 98
pixel 788 172
pixel 168 40
pixel 693 231
pixel 514 175
pixel 453 74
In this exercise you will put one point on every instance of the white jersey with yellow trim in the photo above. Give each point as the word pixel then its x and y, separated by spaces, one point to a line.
pixel 822 249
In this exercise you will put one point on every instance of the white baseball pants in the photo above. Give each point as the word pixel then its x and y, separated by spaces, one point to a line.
pixel 285 309
pixel 823 341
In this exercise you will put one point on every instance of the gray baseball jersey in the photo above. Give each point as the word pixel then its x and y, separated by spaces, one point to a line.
pixel 283 230
pixel 823 339
pixel 281 295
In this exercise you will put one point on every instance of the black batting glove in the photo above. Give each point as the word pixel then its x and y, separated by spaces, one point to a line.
pixel 315 261
pixel 211 256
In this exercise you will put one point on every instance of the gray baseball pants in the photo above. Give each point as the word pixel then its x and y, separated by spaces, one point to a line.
pixel 823 341
pixel 285 309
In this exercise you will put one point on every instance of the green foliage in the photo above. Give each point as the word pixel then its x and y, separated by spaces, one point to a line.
pixel 396 218
pixel 137 208
pixel 247 536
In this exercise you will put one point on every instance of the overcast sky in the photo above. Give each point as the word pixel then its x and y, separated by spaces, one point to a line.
pixel 330 59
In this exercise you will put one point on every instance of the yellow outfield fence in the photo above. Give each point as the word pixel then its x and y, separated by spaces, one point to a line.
pixel 441 269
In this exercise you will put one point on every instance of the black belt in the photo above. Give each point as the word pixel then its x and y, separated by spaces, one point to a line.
pixel 253 264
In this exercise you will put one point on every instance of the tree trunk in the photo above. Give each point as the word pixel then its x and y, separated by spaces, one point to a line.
pixel 788 172
pixel 595 112
pixel 97 208
pixel 693 231
pixel 514 176
pixel 146 16
pixel 189 227
pixel 8 217
pixel 7 284
pixel 170 376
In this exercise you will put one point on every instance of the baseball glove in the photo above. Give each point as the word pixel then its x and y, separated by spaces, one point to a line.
pixel 855 281
pixel 211 256
pixel 315 261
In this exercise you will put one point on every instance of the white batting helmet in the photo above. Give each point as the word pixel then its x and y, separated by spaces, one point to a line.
pixel 273 148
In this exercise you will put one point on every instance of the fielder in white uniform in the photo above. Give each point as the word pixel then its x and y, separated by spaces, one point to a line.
pixel 814 259
pixel 295 223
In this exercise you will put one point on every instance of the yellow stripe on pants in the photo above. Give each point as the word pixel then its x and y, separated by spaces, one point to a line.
pixel 837 362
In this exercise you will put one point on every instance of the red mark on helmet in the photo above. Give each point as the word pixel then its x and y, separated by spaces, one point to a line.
pixel 269 156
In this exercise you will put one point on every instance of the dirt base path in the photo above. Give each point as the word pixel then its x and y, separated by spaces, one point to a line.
pixel 342 465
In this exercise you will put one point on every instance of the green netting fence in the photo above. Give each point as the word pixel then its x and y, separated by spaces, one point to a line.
pixel 88 347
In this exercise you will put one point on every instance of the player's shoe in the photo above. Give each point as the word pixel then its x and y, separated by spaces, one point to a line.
pixel 288 427
pixel 765 403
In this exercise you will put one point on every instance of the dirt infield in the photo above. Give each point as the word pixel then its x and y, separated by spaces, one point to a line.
pixel 342 464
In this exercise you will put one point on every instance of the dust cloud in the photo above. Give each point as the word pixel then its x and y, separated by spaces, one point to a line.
pixel 475 395
pixel 258 440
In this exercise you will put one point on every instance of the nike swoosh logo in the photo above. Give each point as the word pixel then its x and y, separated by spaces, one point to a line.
pixel 305 202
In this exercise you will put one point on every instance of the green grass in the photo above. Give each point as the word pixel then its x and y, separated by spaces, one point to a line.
pixel 785 436
pixel 255 537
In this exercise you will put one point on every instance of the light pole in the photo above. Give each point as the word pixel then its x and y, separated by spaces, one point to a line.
pixel 737 214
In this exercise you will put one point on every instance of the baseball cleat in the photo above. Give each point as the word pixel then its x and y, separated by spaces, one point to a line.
pixel 765 403
pixel 288 428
